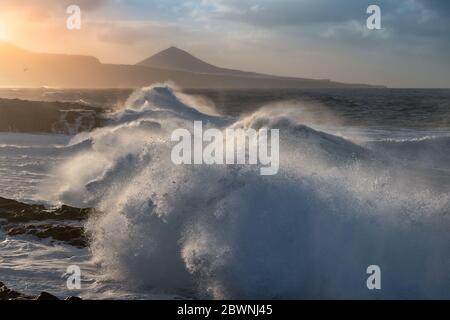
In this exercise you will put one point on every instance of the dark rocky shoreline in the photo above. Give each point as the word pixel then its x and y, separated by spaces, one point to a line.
pixel 48 116
pixel 18 218
pixel 9 294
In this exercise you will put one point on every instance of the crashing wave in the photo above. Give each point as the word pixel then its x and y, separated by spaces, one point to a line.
pixel 216 231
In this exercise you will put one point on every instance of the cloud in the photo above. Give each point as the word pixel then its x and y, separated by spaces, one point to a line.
pixel 408 25
pixel 43 11
pixel 354 29
pixel 132 32
pixel 316 38
pixel 266 13
pixel 407 16
pixel 52 4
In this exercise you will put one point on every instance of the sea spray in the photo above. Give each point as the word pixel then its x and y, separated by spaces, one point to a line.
pixel 235 146
pixel 225 231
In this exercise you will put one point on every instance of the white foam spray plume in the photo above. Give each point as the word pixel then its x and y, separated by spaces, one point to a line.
pixel 219 231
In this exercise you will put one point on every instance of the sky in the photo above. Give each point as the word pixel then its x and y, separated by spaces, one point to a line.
pixel 304 38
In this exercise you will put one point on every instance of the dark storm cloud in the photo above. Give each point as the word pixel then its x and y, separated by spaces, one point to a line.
pixel 409 17
pixel 442 6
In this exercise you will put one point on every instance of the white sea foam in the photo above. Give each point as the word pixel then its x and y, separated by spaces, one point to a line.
pixel 310 231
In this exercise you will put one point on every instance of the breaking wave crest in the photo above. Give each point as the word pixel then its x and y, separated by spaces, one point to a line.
pixel 334 208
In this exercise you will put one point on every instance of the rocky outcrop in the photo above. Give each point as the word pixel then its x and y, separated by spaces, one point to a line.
pixel 21 219
pixel 9 294
pixel 74 236
pixel 48 116
pixel 14 211
pixel 59 224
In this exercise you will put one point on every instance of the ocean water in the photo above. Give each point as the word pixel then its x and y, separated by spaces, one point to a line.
pixel 364 179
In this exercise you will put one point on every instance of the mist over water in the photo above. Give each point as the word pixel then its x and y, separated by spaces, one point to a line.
pixel 334 208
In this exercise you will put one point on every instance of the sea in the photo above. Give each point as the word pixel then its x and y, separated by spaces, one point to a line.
pixel 364 179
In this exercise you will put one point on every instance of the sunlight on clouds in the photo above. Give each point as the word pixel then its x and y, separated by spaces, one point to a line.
pixel 285 37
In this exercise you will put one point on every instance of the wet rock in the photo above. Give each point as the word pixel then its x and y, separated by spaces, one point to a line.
pixel 19 218
pixel 46 296
pixel 8 294
pixel 47 116
pixel 72 235
pixel 73 298
pixel 14 211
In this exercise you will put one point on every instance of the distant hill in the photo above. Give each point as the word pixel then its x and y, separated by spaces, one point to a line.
pixel 23 68
pixel 177 59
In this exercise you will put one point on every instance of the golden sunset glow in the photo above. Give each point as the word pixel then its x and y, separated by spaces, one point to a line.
pixel 269 38
pixel 4 28
pixel 3 32
pixel 37 30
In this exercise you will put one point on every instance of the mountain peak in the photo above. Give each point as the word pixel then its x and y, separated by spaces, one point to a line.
pixel 174 58
pixel 177 59
pixel 173 48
